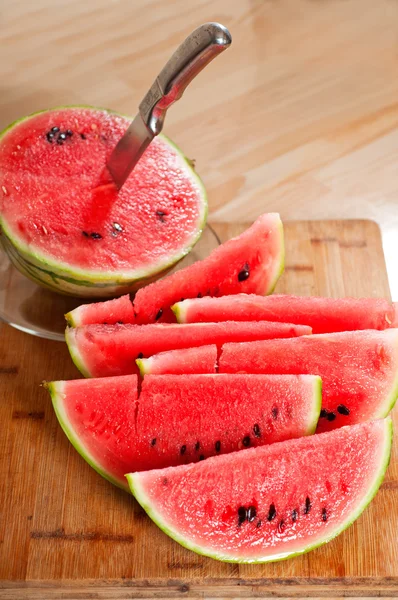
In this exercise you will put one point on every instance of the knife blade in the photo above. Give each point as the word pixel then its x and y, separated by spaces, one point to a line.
pixel 197 51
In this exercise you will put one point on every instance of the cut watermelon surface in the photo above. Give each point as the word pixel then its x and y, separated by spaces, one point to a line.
pixel 250 263
pixel 269 503
pixel 323 315
pixel 120 310
pixel 107 350
pixel 181 419
pixel 359 370
pixel 65 224
pixel 184 361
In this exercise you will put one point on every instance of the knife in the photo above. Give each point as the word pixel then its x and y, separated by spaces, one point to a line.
pixel 197 51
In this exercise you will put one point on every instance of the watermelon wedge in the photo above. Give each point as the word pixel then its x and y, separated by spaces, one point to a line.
pixel 106 350
pixel 269 503
pixel 323 315
pixel 180 419
pixel 359 370
pixel 111 312
pixel 184 361
pixel 64 223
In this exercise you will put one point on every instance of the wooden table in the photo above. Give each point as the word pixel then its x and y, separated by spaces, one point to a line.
pixel 299 116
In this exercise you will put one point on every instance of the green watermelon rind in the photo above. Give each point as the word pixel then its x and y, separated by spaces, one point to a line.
pixel 78 360
pixel 141 497
pixel 56 389
pixel 62 277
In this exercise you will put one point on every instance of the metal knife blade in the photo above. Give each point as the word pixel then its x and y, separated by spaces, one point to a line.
pixel 197 51
pixel 129 150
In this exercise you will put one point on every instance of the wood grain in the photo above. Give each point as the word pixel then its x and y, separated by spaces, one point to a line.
pixel 66 532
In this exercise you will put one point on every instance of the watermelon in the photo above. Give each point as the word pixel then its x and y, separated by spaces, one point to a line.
pixel 180 419
pixel 106 350
pixel 273 502
pixel 250 263
pixel 323 315
pixel 359 370
pixel 111 312
pixel 202 359
pixel 66 225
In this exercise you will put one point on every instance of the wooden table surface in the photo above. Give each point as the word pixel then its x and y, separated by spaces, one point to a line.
pixel 299 116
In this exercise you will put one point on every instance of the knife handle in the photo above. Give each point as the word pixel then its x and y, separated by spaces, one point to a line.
pixel 199 48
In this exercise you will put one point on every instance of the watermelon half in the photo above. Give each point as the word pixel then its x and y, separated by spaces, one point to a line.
pixel 107 350
pixel 250 263
pixel 359 370
pixel 176 420
pixel 64 223
pixel 323 315
pixel 269 503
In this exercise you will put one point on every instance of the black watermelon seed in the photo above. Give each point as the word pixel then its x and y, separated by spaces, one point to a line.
pixel 105 323
pixel 272 512
pixel 83 136
pixel 161 214
pixel 197 446
pixel 244 273
pixel 59 142
pixel 259 523
pixel 50 136
pixel 242 515
pixel 199 295
pixel 331 416
pixel 275 412
pixel 140 355
pixel 257 430
pixel 246 441
pixel 251 513
pixel 85 234
pixel 343 410
pixel 324 413
pixel 55 129
pixel 307 506
pixel 182 299
pixel 159 314
pixel 62 136
pixel 183 449
pixel 119 322
pixel 153 442
pixel 117 227
pixel 218 446
pixel 281 526
pixel 96 236
pixel 201 457
pixel 165 481
pixel 324 514
pixel 69 133
pixel 294 515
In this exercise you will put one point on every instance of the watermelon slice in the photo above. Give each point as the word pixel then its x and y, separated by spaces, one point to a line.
pixel 106 350
pixel 359 370
pixel 112 312
pixel 251 263
pixel 187 360
pixel 64 223
pixel 180 419
pixel 323 315
pixel 269 503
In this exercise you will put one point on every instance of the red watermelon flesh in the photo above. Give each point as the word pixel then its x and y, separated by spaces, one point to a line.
pixel 323 315
pixel 180 419
pixel 250 263
pixel 120 310
pixel 107 350
pixel 61 205
pixel 269 503
pixel 359 370
pixel 188 360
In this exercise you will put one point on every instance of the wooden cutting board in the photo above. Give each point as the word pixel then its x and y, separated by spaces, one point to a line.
pixel 66 532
